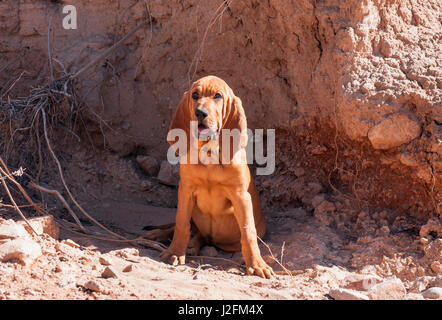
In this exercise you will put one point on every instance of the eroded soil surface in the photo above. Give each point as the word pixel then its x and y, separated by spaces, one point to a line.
pixel 323 260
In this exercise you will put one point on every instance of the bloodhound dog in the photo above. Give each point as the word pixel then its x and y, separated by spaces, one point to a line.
pixel 218 200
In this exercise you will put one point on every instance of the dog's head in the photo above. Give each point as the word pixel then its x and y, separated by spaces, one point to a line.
pixel 211 103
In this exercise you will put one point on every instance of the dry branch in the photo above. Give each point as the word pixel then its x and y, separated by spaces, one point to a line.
pixel 60 197
pixel 43 105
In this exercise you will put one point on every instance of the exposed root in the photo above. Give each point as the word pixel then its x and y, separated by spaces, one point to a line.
pixel 43 104
pixel 60 197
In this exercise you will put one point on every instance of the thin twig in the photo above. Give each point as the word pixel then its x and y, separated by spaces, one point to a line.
pixel 17 208
pixel 140 241
pixel 199 52
pixel 287 271
pixel 60 171
pixel 60 197
pixel 7 173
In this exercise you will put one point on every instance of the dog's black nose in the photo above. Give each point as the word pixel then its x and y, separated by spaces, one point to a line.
pixel 201 114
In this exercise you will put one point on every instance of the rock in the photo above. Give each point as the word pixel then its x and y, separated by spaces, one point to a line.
pixel 393 131
pixel 128 268
pixel 11 230
pixel 93 286
pixel 433 293
pixel 208 251
pixel 169 174
pixel 347 294
pixel 45 224
pixel 109 273
pixel 391 289
pixel 23 251
pixel 127 253
pixel 149 165
pixel 105 261
pixel 361 282
pixel 71 243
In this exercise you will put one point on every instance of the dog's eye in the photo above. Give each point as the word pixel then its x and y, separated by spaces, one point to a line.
pixel 217 96
pixel 195 96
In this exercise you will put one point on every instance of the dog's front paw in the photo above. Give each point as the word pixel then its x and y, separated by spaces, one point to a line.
pixel 260 268
pixel 173 258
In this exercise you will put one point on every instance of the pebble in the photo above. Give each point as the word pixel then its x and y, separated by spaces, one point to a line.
pixel 128 268
pixel 433 293
pixel 396 129
pixel 362 282
pixel 93 286
pixel 42 225
pixel 23 251
pixel 105 261
pixel 71 243
pixel 11 230
pixel 169 174
pixel 127 253
pixel 347 294
pixel 109 273
pixel 149 165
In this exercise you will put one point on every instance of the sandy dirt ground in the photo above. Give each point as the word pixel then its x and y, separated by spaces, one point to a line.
pixel 324 264
pixel 352 88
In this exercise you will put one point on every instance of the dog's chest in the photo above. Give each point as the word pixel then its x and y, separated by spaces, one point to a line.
pixel 212 200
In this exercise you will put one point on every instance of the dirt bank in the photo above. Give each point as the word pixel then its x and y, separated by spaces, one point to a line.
pixel 353 89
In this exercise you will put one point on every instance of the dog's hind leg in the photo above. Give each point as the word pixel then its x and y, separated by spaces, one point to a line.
pixel 159 233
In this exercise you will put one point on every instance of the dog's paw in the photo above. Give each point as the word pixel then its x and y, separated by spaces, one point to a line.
pixel 173 258
pixel 261 269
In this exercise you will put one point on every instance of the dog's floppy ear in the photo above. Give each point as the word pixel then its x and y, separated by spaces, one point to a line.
pixel 181 120
pixel 234 119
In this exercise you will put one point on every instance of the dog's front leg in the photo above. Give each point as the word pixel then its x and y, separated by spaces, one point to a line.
pixel 176 253
pixel 243 208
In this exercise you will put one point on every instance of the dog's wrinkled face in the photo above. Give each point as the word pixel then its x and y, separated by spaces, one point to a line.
pixel 207 99
pixel 212 105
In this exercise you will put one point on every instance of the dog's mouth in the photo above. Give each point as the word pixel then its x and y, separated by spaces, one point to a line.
pixel 202 129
